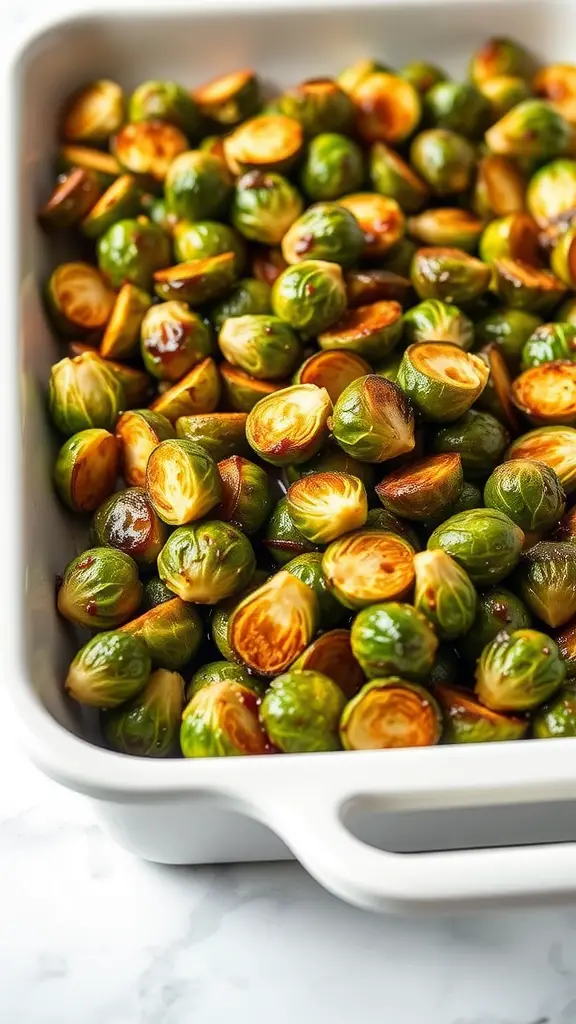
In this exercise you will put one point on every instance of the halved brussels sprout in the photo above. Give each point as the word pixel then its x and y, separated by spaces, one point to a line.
pixel 557 82
pixel 365 287
pixel 128 522
pixel 132 250
pixel 247 296
pixel 222 720
pixel 197 281
pixel 289 426
pixel 503 93
pixel 459 107
pixel 514 236
pixel 381 519
pixel 270 142
pixel 79 298
pixel 393 177
pixel 165 101
pixel 424 489
pixel 307 567
pixel 449 274
pixel 301 711
pixel 372 421
pixel 556 446
pixel 497 609
pixel 282 538
pixel 172 632
pixel 369 565
pixel 73 197
pixel 86 469
pixel 509 329
pixel 264 207
pixel 198 186
pixel 220 434
pixel 533 128
pixel 120 338
pixel 546 581
pixel 332 459
pixel 557 718
pixel 357 72
pixel 138 432
pixel 201 239
pixel 448 226
pixel 222 613
pixel 519 670
pixel 149 725
pixel 480 440
pixel 197 393
pixel 444 160
pixel 485 542
pixel 219 672
pixel 92 159
pixel 229 98
pixel 547 394
pixel 388 108
pixel 206 562
pixel 441 380
pixel 435 320
pixel 391 639
pixel 333 166
pixel 155 593
pixel 332 370
pixel 182 481
pixel 100 589
pixel 500 56
pixel 566 640
pixel 83 393
pixel 246 499
pixel 390 713
pixel 444 593
pixel 380 218
pixel 446 668
pixel 110 669
pixel 325 231
pixel 529 492
pixel 499 188
pixel 495 397
pixel 422 75
pixel 261 345
pixel 173 340
pixel 551 193
pixel 468 721
pixel 149 148
pixel 331 654
pixel 563 260
pixel 323 506
pixel 319 105
pixel 310 296
pixel 272 626
pixel 371 331
pixel 93 113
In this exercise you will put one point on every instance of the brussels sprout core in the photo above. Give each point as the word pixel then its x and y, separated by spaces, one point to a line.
pixel 390 713
pixel 271 627
pixel 367 566
pixel 323 506
pixel 289 426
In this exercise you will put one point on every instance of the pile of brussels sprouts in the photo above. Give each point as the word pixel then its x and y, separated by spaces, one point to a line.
pixel 318 405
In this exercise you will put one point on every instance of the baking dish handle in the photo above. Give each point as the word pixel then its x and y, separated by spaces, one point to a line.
pixel 370 878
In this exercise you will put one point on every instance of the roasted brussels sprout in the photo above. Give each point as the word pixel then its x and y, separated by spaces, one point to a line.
pixel 447 226
pixel 165 101
pixel 198 186
pixel 391 712
pixel 333 165
pixel 247 296
pixel 422 75
pixel 272 626
pixel 424 489
pixel 444 160
pixel 155 593
pixel 372 421
pixel 566 640
pixel 509 329
pixel 86 469
pixel 381 220
pixel 319 105
pixel 246 498
pixel 149 725
pixel 120 338
pixel 499 188
pixel 220 434
pixel 128 522
pixel 503 93
pixel 100 589
pixel 528 492
pixel 264 207
pixel 229 98
pixel 201 239
pixel 484 541
pixel 172 632
pixel 310 296
pixel 82 394
pixel 546 581
pixel 221 720
pixel 393 177
pixel 219 672
pixel 132 250
pixel 497 609
pixel 290 426
pixel 546 394
pixel 557 718
pixel 323 506
pixel 78 298
pixel 197 281
pixel 173 339
pixel 514 236
pixel 551 194
pixel 282 538
pixel 449 274
pixel 388 108
pixel 261 345
pixel 458 106
pixel 357 72
pixel 478 437
pixel 307 567
pixel 369 565
pixel 148 149
pixel 138 432
pixel 301 712
pixel 242 391
pixel 556 446
pixel 197 393
pixel 326 231
pixel 533 128
pixel 444 593
pixel 93 113
pixel 222 613
pixel 467 721
pixel 500 56
pixel 332 370
pixel 110 669
pixel 270 142
pixel 441 380
pixel 331 654
pixel 518 671
pixel 371 331
pixel 206 562
pixel 391 639
pixel 434 320
pixel 91 159
pixel 72 199
pixel 182 481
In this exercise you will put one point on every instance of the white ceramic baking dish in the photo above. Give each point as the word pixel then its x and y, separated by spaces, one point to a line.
pixel 318 807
